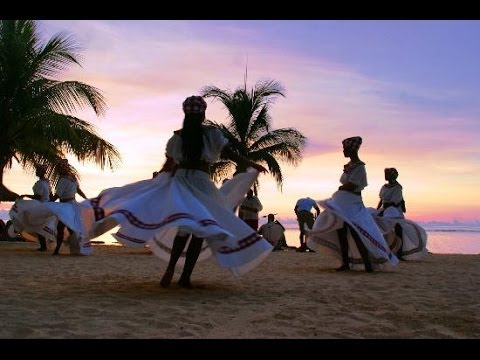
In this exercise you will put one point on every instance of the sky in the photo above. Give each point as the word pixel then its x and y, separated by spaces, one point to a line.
pixel 409 88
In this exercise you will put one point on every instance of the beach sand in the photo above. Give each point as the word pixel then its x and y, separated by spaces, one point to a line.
pixel 116 294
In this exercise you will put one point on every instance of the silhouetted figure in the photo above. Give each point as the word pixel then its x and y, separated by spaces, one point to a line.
pixel 66 189
pixel 406 239
pixel 42 191
pixel 274 232
pixel 346 227
pixel 249 209
pixel 181 208
pixel 391 198
pixel 303 209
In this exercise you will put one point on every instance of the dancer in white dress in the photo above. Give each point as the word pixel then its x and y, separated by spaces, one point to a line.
pixel 66 189
pixel 346 227
pixel 406 239
pixel 50 219
pixel 181 206
pixel 42 191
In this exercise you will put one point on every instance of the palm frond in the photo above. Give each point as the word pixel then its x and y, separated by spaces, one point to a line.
pixel 268 89
pixel 260 124
pixel 70 96
pixel 289 136
pixel 274 169
pixel 56 55
pixel 221 170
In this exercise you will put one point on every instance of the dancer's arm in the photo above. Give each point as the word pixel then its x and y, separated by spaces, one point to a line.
pixel 35 197
pixel 81 193
pixel 349 186
pixel 239 159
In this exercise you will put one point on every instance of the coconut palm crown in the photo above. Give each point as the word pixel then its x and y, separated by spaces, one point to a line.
pixel 250 132
pixel 37 124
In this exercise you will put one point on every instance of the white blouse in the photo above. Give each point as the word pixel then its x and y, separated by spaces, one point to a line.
pixel 213 141
pixel 43 189
pixel 66 188
pixel 391 194
pixel 357 176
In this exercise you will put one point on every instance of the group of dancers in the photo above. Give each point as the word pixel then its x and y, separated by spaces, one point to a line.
pixel 183 217
pixel 365 238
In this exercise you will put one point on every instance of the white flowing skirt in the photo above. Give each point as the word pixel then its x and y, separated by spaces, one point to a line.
pixel 152 212
pixel 32 217
pixel 342 207
pixel 413 246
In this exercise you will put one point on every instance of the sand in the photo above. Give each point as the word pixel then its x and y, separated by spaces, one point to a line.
pixel 115 294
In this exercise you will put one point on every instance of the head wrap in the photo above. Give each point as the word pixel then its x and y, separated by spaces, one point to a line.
pixel 391 173
pixel 194 105
pixel 352 143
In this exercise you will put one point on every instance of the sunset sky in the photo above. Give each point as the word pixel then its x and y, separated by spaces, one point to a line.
pixel 410 88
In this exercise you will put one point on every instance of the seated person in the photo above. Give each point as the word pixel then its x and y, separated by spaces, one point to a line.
pixel 274 232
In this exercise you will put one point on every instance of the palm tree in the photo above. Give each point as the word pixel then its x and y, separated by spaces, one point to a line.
pixel 249 129
pixel 36 121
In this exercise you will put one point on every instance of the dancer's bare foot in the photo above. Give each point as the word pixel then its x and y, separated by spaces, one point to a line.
pixel 167 278
pixel 343 268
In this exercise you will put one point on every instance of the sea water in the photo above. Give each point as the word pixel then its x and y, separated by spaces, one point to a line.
pixel 440 240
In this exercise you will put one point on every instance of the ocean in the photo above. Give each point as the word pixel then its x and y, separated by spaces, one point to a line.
pixel 441 240
pixel 444 240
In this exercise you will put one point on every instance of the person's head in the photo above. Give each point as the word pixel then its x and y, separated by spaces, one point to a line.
pixel 40 170
pixel 250 193
pixel 194 108
pixel 271 218
pixel 155 174
pixel 192 135
pixel 63 167
pixel 391 174
pixel 351 145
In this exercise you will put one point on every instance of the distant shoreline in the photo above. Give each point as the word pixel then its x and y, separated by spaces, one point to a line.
pixel 430 226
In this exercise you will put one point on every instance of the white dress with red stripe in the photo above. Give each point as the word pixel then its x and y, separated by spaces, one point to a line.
pixel 152 212
pixel 32 217
pixel 345 206
pixel 413 243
